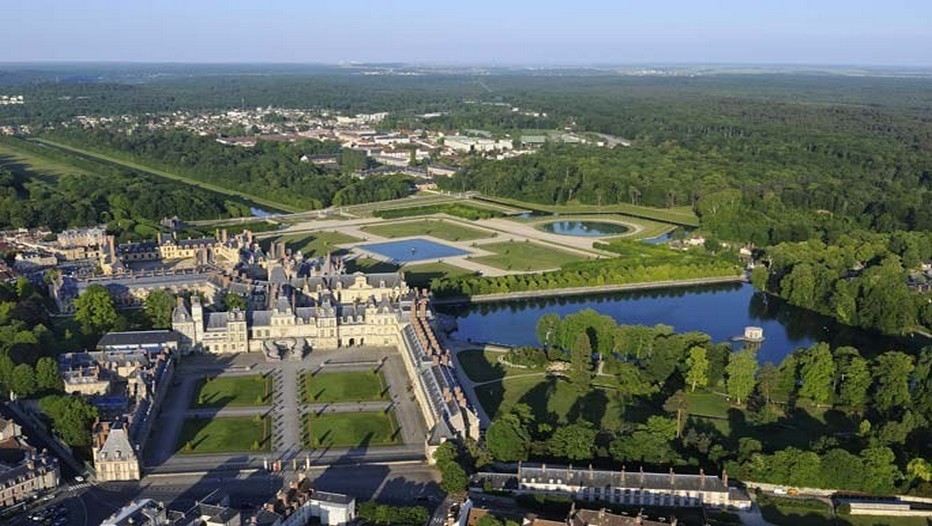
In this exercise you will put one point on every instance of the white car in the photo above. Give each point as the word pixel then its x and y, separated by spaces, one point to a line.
pixel 779 491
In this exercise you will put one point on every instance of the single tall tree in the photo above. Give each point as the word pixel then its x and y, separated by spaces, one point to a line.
pixel 817 370
pixel 580 362
pixel 48 378
pixel 94 310
pixel 741 370
pixel 24 380
pixel 891 373
pixel 159 305
pixel 697 368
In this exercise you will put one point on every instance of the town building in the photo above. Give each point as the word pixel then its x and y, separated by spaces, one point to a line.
pixel 145 512
pixel 25 472
pixel 126 380
pixel 299 504
pixel 621 487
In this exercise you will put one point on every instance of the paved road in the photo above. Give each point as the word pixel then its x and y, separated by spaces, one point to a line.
pixel 87 505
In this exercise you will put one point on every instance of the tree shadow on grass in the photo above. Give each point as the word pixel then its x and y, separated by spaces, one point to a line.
pixel 538 398
pixel 590 407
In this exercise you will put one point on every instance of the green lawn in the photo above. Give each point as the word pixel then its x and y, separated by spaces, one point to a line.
pixel 553 401
pixel 794 428
pixel 349 386
pixel 483 366
pixel 314 245
pixel 446 230
pixel 681 215
pixel 352 429
pixel 225 435
pixel 421 275
pixel 21 162
pixel 784 511
pixel 704 403
pixel 511 255
pixel 222 391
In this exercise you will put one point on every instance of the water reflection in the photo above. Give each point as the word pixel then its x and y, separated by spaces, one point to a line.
pixel 722 311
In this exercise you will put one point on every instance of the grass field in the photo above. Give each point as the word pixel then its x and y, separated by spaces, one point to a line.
pixel 704 403
pixel 420 275
pixel 352 429
pixel 29 164
pixel 222 391
pixel 446 230
pixel 683 215
pixel 553 401
pixel 168 175
pixel 224 435
pixel 483 366
pixel 784 511
pixel 314 245
pixel 511 255
pixel 795 427
pixel 348 386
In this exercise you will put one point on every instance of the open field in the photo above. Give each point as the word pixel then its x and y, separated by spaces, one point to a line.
pixel 483 366
pixel 348 386
pixel 785 511
pixel 795 428
pixel 168 175
pixel 314 245
pixel 420 275
pixel 511 255
pixel 446 230
pixel 224 435
pixel 682 215
pixel 222 391
pixel 553 400
pixel 363 429
pixel 27 163
pixel 417 200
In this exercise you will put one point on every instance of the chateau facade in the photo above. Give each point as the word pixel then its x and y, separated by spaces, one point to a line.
pixel 335 311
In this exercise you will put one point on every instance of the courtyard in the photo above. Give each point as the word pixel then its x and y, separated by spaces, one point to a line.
pixel 249 411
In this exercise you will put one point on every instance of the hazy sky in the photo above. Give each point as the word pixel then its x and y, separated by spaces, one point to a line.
pixel 895 32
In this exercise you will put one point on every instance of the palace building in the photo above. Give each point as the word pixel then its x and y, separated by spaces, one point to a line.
pixel 313 312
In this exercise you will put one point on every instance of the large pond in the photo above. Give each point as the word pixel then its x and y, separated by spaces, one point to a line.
pixel 721 311
pixel 585 228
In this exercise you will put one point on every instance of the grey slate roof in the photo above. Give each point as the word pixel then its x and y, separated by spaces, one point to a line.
pixel 113 339
pixel 117 446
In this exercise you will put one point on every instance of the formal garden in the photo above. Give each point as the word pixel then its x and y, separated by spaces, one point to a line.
pixel 353 430
pixel 513 255
pixel 225 435
pixel 236 391
pixel 438 228
pixel 344 386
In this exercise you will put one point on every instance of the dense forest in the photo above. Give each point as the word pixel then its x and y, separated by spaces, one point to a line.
pixel 821 418
pixel 130 203
pixel 862 279
pixel 270 170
